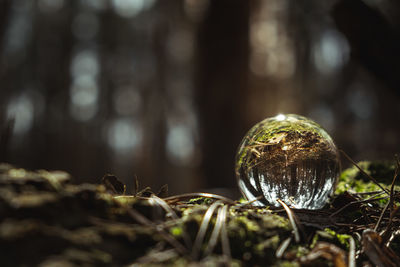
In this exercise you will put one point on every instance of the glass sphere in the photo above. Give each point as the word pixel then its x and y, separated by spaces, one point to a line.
pixel 287 157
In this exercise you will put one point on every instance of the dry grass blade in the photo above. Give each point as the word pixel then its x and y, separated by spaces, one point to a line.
pixel 391 199
pixel 136 185
pixel 176 198
pixel 169 210
pixel 203 229
pixel 368 200
pixel 221 218
pixel 166 236
pixel 226 248
pixel 248 202
pixel 363 172
pixel 291 219
pixel 155 257
pixel 392 237
pixel 373 247
pixel 352 252
pixel 282 248
pixel 327 251
pixel 369 193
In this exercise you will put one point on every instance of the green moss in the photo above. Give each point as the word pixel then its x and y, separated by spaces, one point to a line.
pixel 343 239
pixel 352 179
pixel 301 251
pixel 176 231
pixel 272 242
pixel 272 130
pixel 287 264
pixel 201 200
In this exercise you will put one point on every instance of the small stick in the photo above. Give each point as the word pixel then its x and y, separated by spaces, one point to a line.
pixel 363 172
pixel 176 198
pixel 283 246
pixel 371 199
pixel 226 248
pixel 390 203
pixel 352 252
pixel 167 237
pixel 169 210
pixel 221 218
pixel 291 219
pixel 202 230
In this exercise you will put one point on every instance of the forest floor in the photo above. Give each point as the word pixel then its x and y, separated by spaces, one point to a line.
pixel 47 221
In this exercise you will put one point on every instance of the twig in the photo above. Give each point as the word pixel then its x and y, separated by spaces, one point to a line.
pixel 248 202
pixel 390 202
pixel 352 252
pixel 169 210
pixel 291 219
pixel 167 237
pixel 283 246
pixel 371 199
pixel 226 248
pixel 363 172
pixel 221 218
pixel 173 199
pixel 202 230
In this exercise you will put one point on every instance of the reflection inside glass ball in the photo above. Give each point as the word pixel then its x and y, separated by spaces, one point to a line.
pixel 287 157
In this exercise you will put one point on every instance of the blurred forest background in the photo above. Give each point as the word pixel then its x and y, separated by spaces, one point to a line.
pixel 165 90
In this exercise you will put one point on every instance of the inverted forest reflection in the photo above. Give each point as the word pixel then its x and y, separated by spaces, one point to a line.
pixel 165 90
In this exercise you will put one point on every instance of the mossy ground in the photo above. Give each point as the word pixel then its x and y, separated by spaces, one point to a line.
pixel 46 221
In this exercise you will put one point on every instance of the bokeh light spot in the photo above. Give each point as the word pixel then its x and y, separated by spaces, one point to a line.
pixel 131 8
pixel 85 62
pixel 180 144
pixel 124 135
pixel 331 52
pixel 21 109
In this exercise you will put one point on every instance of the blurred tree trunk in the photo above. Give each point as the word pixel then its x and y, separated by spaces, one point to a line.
pixel 221 86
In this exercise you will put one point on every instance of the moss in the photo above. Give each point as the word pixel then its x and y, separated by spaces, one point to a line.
pixel 272 242
pixel 272 131
pixel 287 264
pixel 343 239
pixel 382 171
pixel 248 224
pixel 89 226
pixel 176 231
pixel 352 179
pixel 301 251
pixel 201 200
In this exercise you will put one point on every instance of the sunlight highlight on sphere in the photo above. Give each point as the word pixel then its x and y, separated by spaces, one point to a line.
pixel 292 159
pixel 280 117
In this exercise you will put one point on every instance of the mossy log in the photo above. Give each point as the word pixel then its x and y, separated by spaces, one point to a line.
pixel 47 221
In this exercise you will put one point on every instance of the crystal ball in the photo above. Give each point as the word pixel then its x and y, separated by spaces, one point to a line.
pixel 287 157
